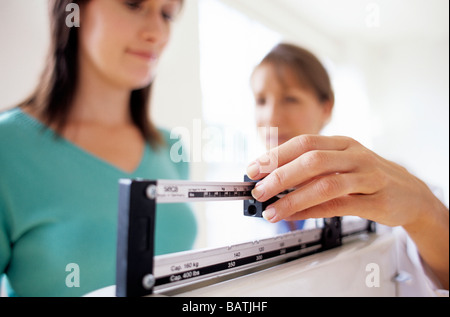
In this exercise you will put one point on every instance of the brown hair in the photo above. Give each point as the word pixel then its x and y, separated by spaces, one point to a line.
pixel 307 69
pixel 54 94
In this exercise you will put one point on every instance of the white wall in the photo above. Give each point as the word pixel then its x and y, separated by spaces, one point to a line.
pixel 411 103
pixel 24 40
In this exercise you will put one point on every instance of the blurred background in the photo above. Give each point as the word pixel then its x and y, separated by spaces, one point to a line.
pixel 388 60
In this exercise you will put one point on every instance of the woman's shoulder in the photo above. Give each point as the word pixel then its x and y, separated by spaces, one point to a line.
pixel 19 130
pixel 8 117
pixel 11 122
pixel 15 119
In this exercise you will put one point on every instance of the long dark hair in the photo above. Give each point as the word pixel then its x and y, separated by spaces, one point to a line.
pixel 55 92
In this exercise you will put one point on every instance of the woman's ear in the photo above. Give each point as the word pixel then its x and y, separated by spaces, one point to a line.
pixel 327 108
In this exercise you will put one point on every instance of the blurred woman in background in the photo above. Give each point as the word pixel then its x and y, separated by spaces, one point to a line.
pixel 337 176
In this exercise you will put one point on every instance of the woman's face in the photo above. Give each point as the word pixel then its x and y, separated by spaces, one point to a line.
pixel 290 107
pixel 122 40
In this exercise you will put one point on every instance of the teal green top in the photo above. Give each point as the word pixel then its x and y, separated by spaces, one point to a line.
pixel 58 207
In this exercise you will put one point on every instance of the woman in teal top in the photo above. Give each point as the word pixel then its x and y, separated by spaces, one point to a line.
pixel 65 148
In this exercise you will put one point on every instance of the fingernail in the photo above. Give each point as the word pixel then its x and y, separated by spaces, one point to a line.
pixel 258 191
pixel 253 170
pixel 269 214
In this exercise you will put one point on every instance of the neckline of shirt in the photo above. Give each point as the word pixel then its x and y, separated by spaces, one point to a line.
pixel 34 123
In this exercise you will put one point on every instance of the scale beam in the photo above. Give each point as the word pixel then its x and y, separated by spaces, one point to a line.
pixel 140 273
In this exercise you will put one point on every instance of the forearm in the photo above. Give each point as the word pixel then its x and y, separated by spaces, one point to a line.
pixel 431 236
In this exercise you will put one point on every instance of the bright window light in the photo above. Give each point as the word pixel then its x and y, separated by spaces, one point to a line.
pixel 230 46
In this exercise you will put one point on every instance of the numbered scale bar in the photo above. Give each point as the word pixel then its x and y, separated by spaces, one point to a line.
pixel 169 191
pixel 175 271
